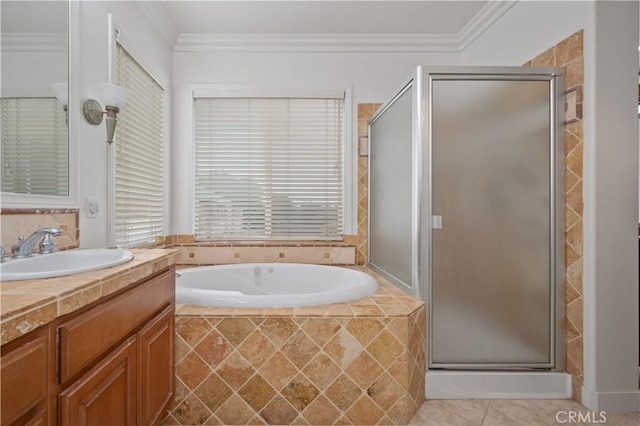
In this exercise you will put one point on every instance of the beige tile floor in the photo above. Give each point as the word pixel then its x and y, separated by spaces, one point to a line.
pixel 514 413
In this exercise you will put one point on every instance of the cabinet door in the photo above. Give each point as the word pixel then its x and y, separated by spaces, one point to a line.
pixel 155 367
pixel 81 345
pixel 23 375
pixel 40 419
pixel 106 394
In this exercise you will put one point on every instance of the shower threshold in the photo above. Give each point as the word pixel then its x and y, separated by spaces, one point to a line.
pixel 449 384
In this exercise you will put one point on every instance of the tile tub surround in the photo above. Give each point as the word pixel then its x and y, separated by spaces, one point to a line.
pixel 28 304
pixel 360 362
pixel 198 253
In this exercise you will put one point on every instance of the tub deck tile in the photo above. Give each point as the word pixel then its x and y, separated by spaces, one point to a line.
pixel 358 362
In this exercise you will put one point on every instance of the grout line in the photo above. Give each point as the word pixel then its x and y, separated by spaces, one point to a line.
pixel 485 413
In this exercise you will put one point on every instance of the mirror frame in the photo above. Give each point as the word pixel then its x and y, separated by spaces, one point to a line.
pixel 16 200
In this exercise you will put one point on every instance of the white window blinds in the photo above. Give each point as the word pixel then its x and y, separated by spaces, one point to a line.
pixel 139 200
pixel 35 149
pixel 268 168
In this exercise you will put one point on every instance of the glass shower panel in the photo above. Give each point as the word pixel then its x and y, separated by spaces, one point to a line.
pixel 491 186
pixel 390 189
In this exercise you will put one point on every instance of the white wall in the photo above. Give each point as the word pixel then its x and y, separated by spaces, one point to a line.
pixel 30 74
pixel 612 157
pixel 610 174
pixel 94 48
pixel 526 30
pixel 374 77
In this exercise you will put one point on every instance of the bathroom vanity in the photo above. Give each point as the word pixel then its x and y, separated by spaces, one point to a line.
pixel 93 348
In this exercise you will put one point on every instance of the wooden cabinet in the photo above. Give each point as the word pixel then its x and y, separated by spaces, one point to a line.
pixel 132 384
pixel 87 337
pixel 39 419
pixel 155 367
pixel 106 395
pixel 111 363
pixel 24 376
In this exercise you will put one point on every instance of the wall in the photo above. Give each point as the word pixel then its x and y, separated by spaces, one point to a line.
pixel 373 77
pixel 26 76
pixel 88 66
pixel 611 188
pixel 93 149
pixel 610 171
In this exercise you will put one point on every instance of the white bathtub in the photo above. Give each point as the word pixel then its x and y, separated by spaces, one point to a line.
pixel 271 285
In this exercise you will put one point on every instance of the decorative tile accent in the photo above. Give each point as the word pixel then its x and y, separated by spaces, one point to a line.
pixel 333 367
pixel 15 222
pixel 569 54
pixel 322 254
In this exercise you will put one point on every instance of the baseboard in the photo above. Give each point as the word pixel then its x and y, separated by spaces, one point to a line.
pixel 611 402
pixel 497 385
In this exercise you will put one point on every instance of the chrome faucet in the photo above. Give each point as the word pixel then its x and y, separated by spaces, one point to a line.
pixel 1 254
pixel 24 246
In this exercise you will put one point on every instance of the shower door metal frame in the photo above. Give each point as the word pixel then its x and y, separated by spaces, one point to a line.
pixel 414 287
pixel 423 83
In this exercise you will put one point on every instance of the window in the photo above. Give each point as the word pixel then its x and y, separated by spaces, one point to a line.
pixel 35 151
pixel 139 200
pixel 268 168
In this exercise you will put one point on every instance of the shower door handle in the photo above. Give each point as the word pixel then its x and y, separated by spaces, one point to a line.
pixel 436 222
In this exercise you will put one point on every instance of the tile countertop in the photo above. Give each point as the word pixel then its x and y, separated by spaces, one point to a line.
pixel 28 304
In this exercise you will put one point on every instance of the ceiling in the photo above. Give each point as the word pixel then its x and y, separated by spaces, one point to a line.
pixel 321 17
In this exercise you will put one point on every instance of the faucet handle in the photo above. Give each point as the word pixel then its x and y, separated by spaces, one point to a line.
pixel 1 254
pixel 47 245
pixel 16 245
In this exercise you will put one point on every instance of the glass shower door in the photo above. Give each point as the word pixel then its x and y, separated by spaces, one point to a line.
pixel 391 191
pixel 491 243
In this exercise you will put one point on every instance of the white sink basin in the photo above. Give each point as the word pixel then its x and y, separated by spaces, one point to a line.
pixel 61 263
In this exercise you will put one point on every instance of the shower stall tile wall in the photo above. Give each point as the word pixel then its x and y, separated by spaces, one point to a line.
pixel 466 211
pixel 365 112
pixel 568 53
pixel 328 364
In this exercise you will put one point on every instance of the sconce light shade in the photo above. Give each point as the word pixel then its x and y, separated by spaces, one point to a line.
pixel 61 91
pixel 113 95
pixel 114 98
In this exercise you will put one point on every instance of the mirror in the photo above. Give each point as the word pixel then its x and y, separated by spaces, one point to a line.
pixel 35 68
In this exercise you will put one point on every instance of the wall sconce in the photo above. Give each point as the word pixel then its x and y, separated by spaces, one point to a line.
pixel 114 98
pixel 62 96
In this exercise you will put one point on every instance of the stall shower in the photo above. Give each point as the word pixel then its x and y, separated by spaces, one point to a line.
pixel 466 168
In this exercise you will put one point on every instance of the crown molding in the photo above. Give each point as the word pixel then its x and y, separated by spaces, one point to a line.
pixel 34 42
pixel 315 43
pixel 420 43
pixel 160 20
pixel 483 20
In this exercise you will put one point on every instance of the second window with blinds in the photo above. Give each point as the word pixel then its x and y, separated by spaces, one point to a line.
pixel 268 168
pixel 138 206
